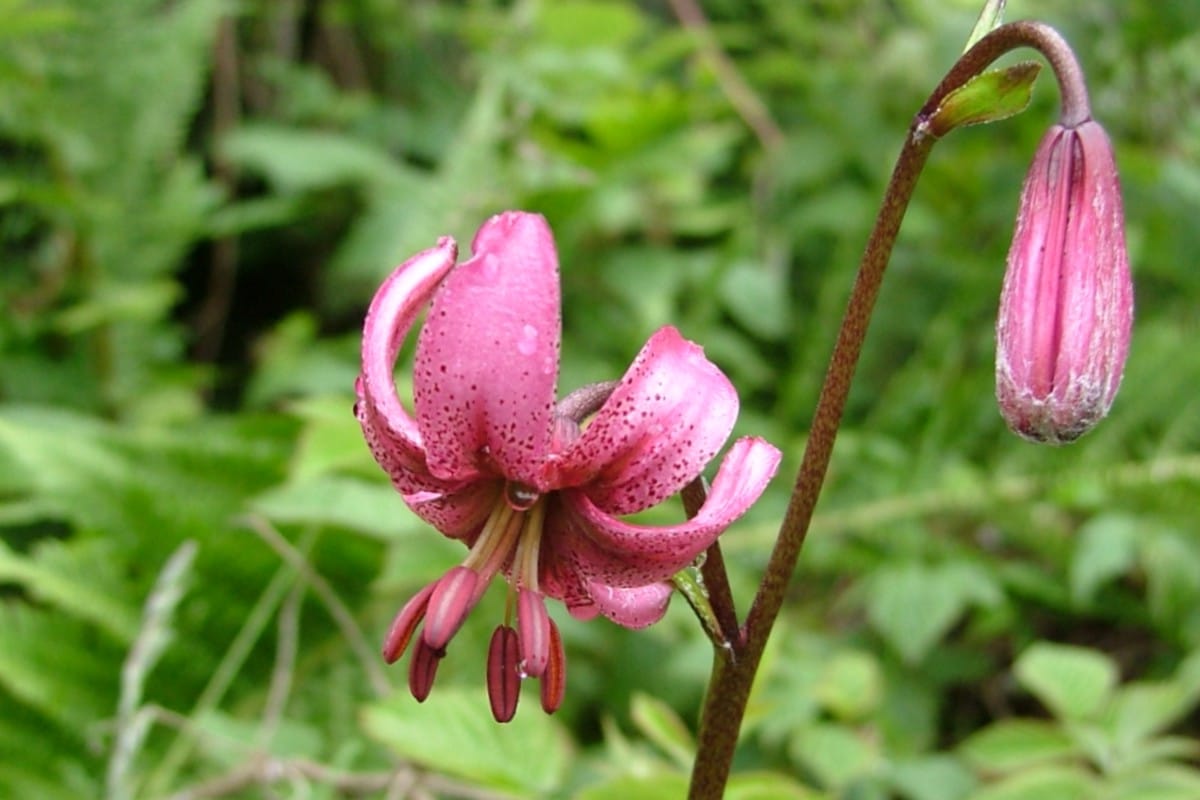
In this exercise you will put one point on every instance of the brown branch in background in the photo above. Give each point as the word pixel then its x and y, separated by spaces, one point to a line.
pixel 368 656
pixel 345 59
pixel 287 645
pixel 742 97
pixel 210 320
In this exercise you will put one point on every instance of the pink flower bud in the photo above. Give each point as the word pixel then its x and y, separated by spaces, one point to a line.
pixel 1067 305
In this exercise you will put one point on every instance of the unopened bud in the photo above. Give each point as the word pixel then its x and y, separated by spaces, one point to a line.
pixel 1066 309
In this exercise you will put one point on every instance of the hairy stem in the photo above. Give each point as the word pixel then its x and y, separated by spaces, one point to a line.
pixel 734 669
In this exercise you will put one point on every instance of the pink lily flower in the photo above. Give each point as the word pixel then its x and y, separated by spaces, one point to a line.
pixel 490 459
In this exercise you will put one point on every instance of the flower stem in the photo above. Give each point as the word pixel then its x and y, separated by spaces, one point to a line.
pixel 734 668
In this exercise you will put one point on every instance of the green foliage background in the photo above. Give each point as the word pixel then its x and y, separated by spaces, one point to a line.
pixel 198 556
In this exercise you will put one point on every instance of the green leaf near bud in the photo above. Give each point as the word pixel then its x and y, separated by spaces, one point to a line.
pixel 989 97
pixel 691 585
pixel 990 18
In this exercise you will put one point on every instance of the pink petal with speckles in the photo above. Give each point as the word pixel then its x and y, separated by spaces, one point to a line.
pixel 610 551
pixel 487 357
pixel 632 608
pixel 390 431
pixel 666 419
pixel 558 577
pixel 459 514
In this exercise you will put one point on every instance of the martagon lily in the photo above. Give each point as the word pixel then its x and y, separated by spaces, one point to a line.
pixel 533 489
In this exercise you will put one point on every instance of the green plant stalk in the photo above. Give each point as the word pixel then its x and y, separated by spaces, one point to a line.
pixel 734 668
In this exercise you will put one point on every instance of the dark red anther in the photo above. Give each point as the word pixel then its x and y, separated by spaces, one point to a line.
pixel 422 669
pixel 503 678
pixel 554 679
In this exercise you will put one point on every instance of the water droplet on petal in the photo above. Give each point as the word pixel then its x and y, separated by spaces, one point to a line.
pixel 489 266
pixel 519 496
pixel 527 345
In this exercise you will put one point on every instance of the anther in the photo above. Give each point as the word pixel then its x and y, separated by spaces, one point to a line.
pixel 503 679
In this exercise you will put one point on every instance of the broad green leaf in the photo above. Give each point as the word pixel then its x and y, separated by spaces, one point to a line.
pixel 658 786
pixel 297 160
pixel 836 754
pixel 1106 548
pixel 1013 745
pixel 1161 781
pixel 1043 783
pixel 936 777
pixel 57 665
pixel 659 723
pixel 151 487
pixel 1172 565
pixel 587 23
pixel 851 686
pixel 293 361
pixel 767 786
pixel 53 763
pixel 1150 752
pixel 77 576
pixel 226 738
pixel 330 439
pixel 757 298
pixel 913 605
pixel 373 509
pixel 1144 709
pixel 453 732
pixel 1073 682
pixel 988 97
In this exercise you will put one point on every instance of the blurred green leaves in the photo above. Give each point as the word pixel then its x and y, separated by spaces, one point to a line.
pixel 182 285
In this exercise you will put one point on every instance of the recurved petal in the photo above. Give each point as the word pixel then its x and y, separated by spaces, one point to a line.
pixel 487 357
pixel 633 607
pixel 586 599
pixel 666 419
pixel 559 578
pixel 390 431
pixel 617 553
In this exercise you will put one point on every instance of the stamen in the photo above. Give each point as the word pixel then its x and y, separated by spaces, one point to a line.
pixel 495 543
pixel 525 565
pixel 422 669
pixel 554 680
pixel 493 530
pixel 405 623
pixel 533 625
pixel 451 600
pixel 503 680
